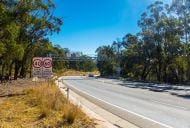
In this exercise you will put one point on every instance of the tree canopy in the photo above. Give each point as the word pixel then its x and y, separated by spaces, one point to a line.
pixel 24 26
pixel 160 50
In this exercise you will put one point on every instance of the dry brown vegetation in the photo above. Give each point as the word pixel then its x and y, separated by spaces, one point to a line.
pixel 38 106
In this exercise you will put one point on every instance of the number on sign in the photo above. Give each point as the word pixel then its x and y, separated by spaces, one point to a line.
pixel 37 63
pixel 47 63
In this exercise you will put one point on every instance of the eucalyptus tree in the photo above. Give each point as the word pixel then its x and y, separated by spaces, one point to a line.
pixel 161 50
pixel 86 64
pixel 2 23
pixel 149 46
pixel 23 24
pixel 182 12
pixel 128 39
pixel 172 48
pixel 36 21
pixel 106 60
pixel 126 62
pixel 9 31
pixel 132 57
pixel 12 50
pixel 151 35
pixel 59 51
pixel 157 13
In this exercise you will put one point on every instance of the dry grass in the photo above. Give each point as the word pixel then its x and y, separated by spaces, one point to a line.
pixel 48 97
pixel 40 106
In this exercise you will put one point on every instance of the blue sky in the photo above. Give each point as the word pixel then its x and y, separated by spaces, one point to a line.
pixel 89 24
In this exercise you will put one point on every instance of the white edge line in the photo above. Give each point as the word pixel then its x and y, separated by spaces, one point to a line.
pixel 156 101
pixel 165 125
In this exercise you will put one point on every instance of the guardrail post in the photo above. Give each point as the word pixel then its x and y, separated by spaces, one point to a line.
pixel 67 94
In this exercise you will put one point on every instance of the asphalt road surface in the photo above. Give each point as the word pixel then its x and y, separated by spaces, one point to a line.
pixel 145 108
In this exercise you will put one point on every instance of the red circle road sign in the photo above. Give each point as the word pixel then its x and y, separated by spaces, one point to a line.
pixel 47 63
pixel 37 63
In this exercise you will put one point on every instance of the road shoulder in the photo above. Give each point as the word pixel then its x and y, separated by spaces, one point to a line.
pixel 103 118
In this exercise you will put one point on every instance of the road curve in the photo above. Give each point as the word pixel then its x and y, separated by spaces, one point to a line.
pixel 144 108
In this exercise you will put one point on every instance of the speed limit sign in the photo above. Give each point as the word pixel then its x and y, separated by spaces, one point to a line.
pixel 47 67
pixel 47 62
pixel 42 67
pixel 37 63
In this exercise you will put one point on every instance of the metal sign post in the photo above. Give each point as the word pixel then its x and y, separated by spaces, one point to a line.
pixel 67 94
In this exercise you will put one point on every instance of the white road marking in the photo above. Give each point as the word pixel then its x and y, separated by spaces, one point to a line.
pixel 165 125
pixel 156 101
pixel 170 105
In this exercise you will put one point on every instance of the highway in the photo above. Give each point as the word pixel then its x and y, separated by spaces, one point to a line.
pixel 144 108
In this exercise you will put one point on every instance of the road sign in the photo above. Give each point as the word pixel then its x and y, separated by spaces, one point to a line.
pixel 47 67
pixel 36 66
pixel 42 67
pixel 37 62
pixel 47 62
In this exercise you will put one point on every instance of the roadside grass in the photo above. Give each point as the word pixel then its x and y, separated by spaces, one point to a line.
pixel 38 106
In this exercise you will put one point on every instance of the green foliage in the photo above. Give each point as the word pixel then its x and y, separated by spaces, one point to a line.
pixel 23 24
pixel 160 51
pixel 2 49
pixel 81 63
pixel 86 64
pixel 106 60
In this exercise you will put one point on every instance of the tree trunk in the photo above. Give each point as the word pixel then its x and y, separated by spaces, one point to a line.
pixel 31 69
pixel 177 75
pixel 143 73
pixel 23 71
pixel 23 66
pixel 10 70
pixel 159 63
pixel 146 74
pixel 3 73
pixel 188 69
pixel 17 67
pixel 158 74
pixel 165 79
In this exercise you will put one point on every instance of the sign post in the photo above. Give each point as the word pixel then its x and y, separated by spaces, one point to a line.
pixel 42 67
